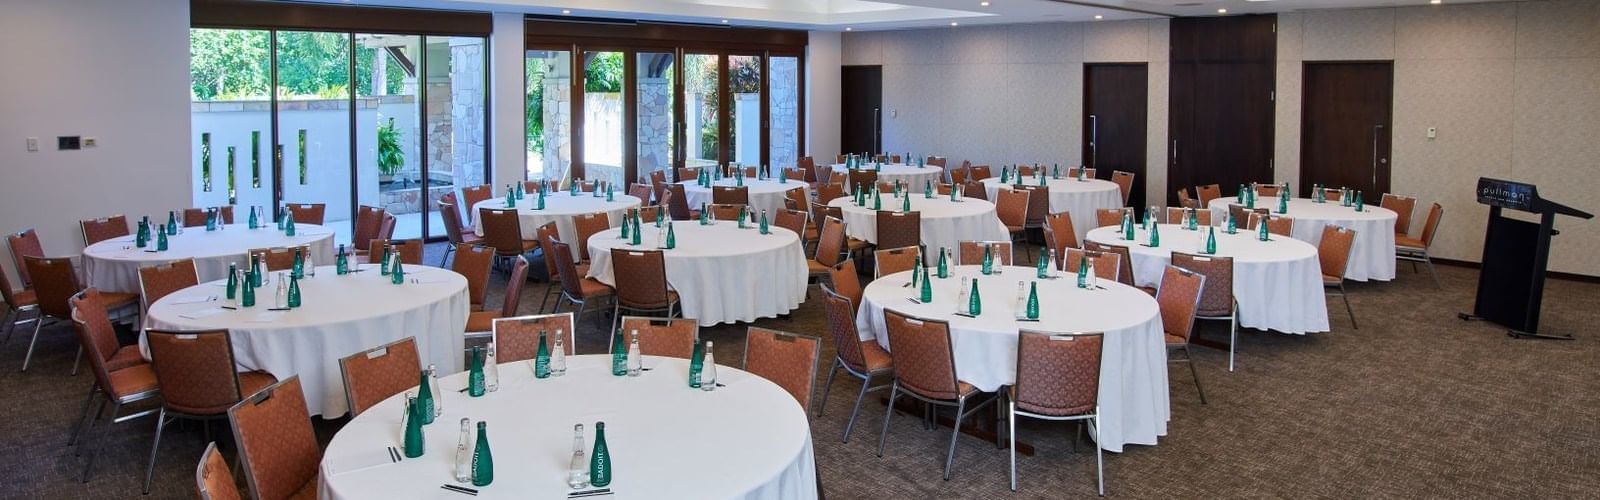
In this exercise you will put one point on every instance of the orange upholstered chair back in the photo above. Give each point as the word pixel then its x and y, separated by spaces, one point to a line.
pixel 517 338
pixel 275 440
pixel 924 361
pixel 673 338
pixel 787 359
pixel 375 374
pixel 1057 374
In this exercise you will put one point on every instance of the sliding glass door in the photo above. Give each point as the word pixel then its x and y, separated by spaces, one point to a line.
pixel 701 110
pixel 783 112
pixel 548 80
pixel 312 153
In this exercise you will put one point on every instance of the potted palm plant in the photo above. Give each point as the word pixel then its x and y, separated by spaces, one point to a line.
pixel 390 156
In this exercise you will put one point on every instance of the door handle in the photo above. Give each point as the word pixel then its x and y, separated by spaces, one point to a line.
pixel 1376 131
pixel 1174 151
pixel 1094 137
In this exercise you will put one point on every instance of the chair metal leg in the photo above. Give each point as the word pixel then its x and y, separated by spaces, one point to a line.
pixel 82 414
pixel 1233 335
pixel 94 418
pixel 826 387
pixel 448 249
pixel 1347 309
pixel 1432 272
pixel 155 445
pixel 1189 358
pixel 88 467
pixel 866 384
pixel 26 358
pixel 1011 429
pixel 1099 453
pixel 11 325
pixel 955 437
pixel 76 360
pixel 894 391
pixel 616 316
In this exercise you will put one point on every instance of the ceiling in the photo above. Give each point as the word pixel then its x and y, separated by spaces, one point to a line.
pixel 868 15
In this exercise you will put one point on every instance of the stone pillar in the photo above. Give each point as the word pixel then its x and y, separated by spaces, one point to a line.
pixel 655 125
pixel 557 125
pixel 467 101
pixel 784 113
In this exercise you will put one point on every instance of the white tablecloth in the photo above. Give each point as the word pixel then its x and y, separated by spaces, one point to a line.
pixel 560 208
pixel 1277 283
pixel 944 223
pixel 722 273
pixel 339 316
pixel 1080 199
pixel 1372 255
pixel 764 194
pixel 914 176
pixel 1133 375
pixel 113 265
pixel 748 440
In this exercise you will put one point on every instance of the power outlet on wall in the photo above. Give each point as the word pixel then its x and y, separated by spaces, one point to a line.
pixel 1433 133
pixel 90 142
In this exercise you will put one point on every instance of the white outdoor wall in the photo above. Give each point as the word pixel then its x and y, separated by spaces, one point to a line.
pixel 116 70
pixel 822 96
pixel 506 98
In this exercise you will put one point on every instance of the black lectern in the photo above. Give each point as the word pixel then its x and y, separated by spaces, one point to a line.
pixel 1515 253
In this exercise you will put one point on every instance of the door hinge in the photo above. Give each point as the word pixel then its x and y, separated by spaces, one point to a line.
pixel 1272 95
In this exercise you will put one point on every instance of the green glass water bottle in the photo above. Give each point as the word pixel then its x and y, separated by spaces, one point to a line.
pixel 765 227
pixel 1360 203
pixel 425 395
pixel 1005 175
pixel 905 204
pixel 255 271
pixel 341 262
pixel 294 291
pixel 1250 198
pixel 1083 271
pixel 298 270
pixel 1042 268
pixel 672 238
pixel 475 382
pixel 233 282
pixel 288 225
pixel 247 294
pixel 1239 197
pixel 161 238
pixel 211 220
pixel 540 204
pixel 482 460
pixel 661 215
pixel 1211 241
pixel 974 303
pixel 1127 225
pixel 611 192
pixel 626 230
pixel 740 220
pixel 619 354
pixel 398 275
pixel 172 223
pixel 1155 235
pixel 927 189
pixel 541 357
pixel 255 219
pixel 705 215
pixel 141 237
pixel 600 460
pixel 413 435
pixel 1261 230
pixel 1033 300
pixel 926 293
pixel 696 363
pixel 988 260
pixel 636 231
pixel 877 199
pixel 1283 201
pixel 1233 224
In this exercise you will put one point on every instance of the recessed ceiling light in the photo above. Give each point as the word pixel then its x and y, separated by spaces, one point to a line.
pixel 849 29
pixel 953 23
pixel 724 21
pixel 1098 16
pixel 984 3
pixel 566 11
pixel 1222 11
pixel 1436 2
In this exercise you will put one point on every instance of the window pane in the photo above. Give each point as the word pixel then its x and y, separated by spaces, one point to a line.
pixel 700 109
pixel 229 82
pixel 314 124
pixel 549 120
pixel 602 116
pixel 388 156
pixel 783 88
pixel 455 118
pixel 655 114
pixel 744 82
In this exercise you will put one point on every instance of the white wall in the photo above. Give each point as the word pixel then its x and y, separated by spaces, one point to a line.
pixel 116 70
pixel 506 98
pixel 822 96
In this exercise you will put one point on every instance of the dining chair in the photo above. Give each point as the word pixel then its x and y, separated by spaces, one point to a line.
pixel 1059 235
pixel 307 213
pixel 277 446
pixel 862 179
pixel 1124 181
pixel 213 480
pixel 640 191
pixel 1107 265
pixel 1332 194
pixel 894 260
pixel 678 203
pixel 1242 215
pixel 197 373
pixel 1207 193
pixel 483 321
pixel 1125 271
pixel 862 359
pixel 1403 206
pixel 474 262
pixel 673 338
pixel 798 196
pixel 516 338
pixel 588 225
pixel 726 211
pixel 936 161
pixel 958 176
pixel 1216 299
pixel 1333 254
pixel 829 192
pixel 279 258
pixel 642 286
pixel 130 382
pixel 196 217
pixel 104 228
pixel 545 233
pixel 18 303
pixel 1088 172
pixel 1281 225
pixel 1011 205
pixel 1034 218
pixel 56 285
pixel 576 288
pixel 1104 217
pixel 830 247
pixel 471 196
pixel 1186 201
pixel 1267 190
pixel 808 168
pixel 410 251
pixel 730 195
pixel 502 231
pixel 975 190
pixel 1058 378
pixel 787 359
pixel 1175 215
pixel 842 278
pixel 24 243
pixel 375 374
pixel 454 231
pixel 978 173
pixel 161 280
pixel 899 229
pixel 970 253
pixel 368 227
pixel 658 184
pixel 647 213
pixel 1416 249
pixel 687 174
pixel 925 370
pixel 1178 297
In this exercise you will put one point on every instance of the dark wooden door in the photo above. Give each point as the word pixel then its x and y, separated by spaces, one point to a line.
pixel 1220 125
pixel 1115 102
pixel 861 98
pixel 1345 126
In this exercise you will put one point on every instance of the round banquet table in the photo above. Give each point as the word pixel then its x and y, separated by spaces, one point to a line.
pixel 746 440
pixel 1134 408
pixel 764 194
pixel 911 175
pixel 1079 198
pixel 1372 255
pixel 722 273
pixel 113 265
pixel 561 208
pixel 945 223
pixel 339 316
pixel 1277 283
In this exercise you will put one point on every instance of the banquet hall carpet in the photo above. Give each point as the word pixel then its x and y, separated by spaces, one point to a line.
pixel 1414 404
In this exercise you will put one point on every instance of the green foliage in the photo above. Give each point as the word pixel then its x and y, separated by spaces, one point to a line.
pixel 227 64
pixel 533 74
pixel 603 73
pixel 390 156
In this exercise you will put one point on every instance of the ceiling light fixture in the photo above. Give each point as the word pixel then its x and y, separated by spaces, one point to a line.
pixel 566 11
pixel 984 3
pixel 724 21
pixel 1098 16
pixel 1436 2
pixel 849 29
pixel 1222 11
pixel 953 23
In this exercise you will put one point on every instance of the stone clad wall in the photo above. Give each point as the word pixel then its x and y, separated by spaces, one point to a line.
pixel 466 110
pixel 784 112
pixel 655 126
